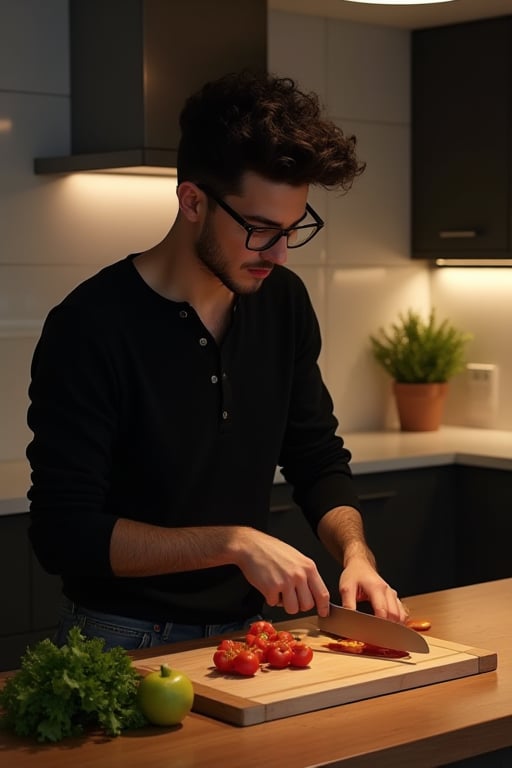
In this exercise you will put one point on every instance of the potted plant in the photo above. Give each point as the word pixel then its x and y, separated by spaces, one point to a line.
pixel 421 356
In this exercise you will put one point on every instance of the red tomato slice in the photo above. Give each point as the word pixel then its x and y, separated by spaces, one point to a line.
pixel 365 649
pixel 419 626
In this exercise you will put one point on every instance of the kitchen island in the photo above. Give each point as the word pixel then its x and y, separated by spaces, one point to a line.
pixel 429 726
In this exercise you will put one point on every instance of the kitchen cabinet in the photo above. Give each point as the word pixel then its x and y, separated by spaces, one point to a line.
pixel 29 597
pixel 484 524
pixel 409 518
pixel 462 140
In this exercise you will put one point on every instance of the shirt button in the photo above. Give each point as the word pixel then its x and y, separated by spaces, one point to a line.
pixel 225 415
pixel 183 313
pixel 203 342
pixel 214 379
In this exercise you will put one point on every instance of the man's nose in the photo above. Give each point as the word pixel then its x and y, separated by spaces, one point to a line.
pixel 279 251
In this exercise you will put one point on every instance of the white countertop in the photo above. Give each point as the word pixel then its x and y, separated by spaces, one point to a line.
pixel 371 452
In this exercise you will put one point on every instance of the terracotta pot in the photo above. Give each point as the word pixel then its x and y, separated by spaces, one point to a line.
pixel 420 406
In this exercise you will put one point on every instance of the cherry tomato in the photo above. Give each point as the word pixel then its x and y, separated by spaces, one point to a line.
pixel 419 626
pixel 279 655
pixel 258 627
pixel 230 645
pixel 258 643
pixel 260 653
pixel 223 660
pixel 246 663
pixel 301 655
pixel 284 637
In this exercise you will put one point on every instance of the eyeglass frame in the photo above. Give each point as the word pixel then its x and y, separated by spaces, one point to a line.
pixel 251 228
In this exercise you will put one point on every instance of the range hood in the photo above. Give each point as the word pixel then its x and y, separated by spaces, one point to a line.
pixel 134 62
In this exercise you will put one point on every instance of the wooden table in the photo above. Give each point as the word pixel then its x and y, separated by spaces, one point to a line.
pixel 423 727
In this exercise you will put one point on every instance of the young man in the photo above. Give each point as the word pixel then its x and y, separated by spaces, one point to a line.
pixel 167 388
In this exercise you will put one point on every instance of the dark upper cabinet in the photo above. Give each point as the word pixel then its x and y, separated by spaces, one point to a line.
pixel 462 140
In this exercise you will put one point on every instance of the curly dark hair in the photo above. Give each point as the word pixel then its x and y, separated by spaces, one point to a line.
pixel 259 122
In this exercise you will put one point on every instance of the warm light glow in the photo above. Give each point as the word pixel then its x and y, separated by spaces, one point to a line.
pixel 399 2
pixel 484 282
pixel 474 262
pixel 139 170
pixel 5 125
pixel 99 186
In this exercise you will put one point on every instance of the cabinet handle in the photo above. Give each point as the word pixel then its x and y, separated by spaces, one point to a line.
pixel 461 234
pixel 377 495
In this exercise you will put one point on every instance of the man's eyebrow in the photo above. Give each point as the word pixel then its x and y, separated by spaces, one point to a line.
pixel 271 223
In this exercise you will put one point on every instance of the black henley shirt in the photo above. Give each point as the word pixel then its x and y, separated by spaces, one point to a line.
pixel 137 412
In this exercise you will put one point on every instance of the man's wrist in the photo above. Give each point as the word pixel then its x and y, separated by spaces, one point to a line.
pixel 357 550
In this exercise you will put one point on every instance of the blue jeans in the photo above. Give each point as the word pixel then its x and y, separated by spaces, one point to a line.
pixel 133 634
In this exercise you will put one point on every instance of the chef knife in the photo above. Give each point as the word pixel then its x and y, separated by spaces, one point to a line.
pixel 355 625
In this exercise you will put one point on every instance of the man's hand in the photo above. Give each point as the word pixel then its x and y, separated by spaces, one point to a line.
pixel 281 573
pixel 341 532
pixel 360 581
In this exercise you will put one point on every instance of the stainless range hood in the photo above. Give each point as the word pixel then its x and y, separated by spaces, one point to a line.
pixel 133 64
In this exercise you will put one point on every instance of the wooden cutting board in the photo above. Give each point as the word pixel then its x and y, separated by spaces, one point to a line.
pixel 331 679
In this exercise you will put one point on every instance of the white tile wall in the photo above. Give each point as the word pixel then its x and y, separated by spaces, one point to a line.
pixel 55 231
pixel 358 302
pixel 478 301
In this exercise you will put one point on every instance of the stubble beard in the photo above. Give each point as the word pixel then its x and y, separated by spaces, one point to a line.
pixel 212 258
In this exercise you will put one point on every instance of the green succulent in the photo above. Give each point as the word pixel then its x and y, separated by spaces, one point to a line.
pixel 415 351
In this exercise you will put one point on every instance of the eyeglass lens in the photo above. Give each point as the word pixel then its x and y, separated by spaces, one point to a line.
pixel 260 239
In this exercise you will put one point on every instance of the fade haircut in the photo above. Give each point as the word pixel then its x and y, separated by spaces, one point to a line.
pixel 265 124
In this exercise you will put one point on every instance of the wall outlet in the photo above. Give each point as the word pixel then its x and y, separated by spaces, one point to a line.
pixel 482 394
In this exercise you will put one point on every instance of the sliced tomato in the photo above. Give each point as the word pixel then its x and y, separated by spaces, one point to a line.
pixel 345 645
pixel 418 625
pixel 365 649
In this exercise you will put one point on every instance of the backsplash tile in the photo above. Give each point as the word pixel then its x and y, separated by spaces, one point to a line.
pixel 359 302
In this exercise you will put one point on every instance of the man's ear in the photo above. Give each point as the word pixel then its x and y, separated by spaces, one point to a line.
pixel 193 203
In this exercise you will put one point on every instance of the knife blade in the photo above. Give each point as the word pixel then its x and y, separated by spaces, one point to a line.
pixel 355 625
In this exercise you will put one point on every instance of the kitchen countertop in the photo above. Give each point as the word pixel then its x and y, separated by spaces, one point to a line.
pixel 371 452
pixel 423 727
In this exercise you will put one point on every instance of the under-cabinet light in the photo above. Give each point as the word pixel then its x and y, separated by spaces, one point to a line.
pixel 474 262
